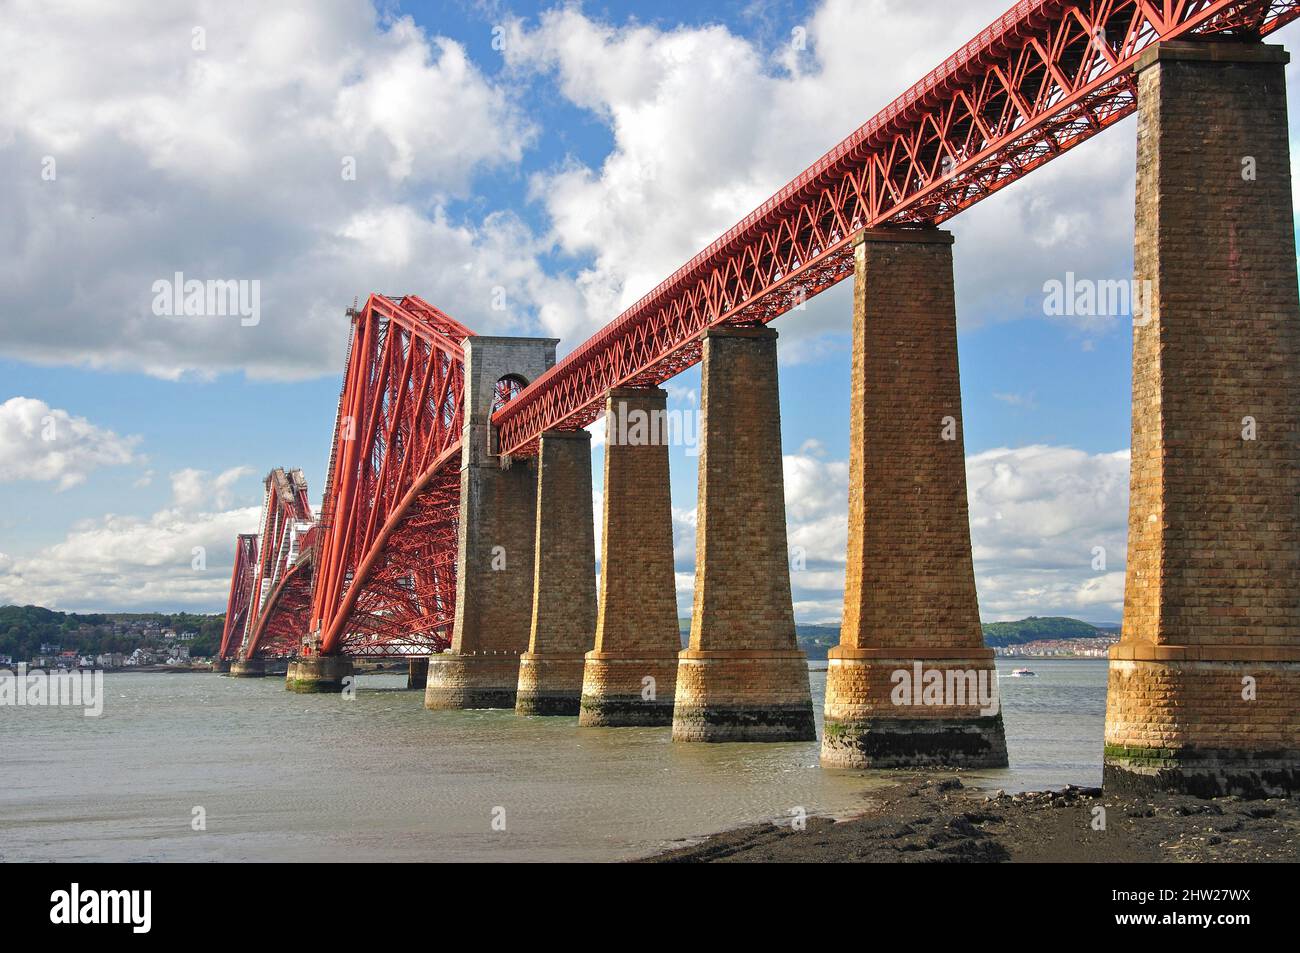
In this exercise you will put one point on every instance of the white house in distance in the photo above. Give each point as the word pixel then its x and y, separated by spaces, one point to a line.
pixel 140 657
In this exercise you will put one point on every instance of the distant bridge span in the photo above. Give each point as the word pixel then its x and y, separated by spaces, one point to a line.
pixel 271 588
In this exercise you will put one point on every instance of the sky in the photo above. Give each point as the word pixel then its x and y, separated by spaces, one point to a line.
pixel 573 155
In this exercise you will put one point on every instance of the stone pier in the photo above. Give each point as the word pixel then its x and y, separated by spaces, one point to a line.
pixel 631 676
pixel 911 683
pixel 248 668
pixel 743 677
pixel 564 578
pixel 417 673
pixel 221 666
pixel 494 561
pixel 320 673
pixel 1204 690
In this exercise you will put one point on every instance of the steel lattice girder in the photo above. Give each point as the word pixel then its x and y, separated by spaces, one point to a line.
pixel 386 562
pixel 281 626
pixel 1043 78
pixel 241 594
pixel 284 546
pixel 408 599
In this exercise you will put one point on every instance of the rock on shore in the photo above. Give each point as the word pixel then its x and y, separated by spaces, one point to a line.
pixel 939 820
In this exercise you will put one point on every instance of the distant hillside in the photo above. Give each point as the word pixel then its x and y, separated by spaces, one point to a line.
pixel 23 629
pixel 1034 629
pixel 815 640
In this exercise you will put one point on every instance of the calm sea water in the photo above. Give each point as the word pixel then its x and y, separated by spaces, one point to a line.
pixel 313 777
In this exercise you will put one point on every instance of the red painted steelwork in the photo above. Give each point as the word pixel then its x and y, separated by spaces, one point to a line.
pixel 241 594
pixel 1044 77
pixel 280 628
pixel 276 620
pixel 386 561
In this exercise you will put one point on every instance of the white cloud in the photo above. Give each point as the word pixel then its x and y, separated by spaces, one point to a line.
pixel 192 488
pixel 130 563
pixel 685 523
pixel 816 502
pixel 227 163
pixel 1023 401
pixel 680 394
pixel 706 127
pixel 177 558
pixel 438 138
pixel 1038 515
pixel 816 507
pixel 40 442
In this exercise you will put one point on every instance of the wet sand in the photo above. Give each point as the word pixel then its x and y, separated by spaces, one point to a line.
pixel 937 819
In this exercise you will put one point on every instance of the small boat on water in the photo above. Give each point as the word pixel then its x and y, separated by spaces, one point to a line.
pixel 1024 673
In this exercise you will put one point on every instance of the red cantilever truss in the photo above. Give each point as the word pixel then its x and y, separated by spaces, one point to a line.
pixel 241 594
pixel 280 595
pixel 386 560
pixel 1044 77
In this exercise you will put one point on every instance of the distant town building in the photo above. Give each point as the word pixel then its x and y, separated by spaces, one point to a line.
pixel 1097 647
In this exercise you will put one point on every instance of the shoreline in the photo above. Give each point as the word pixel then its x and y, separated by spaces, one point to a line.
pixel 938 819
pixel 133 670
pixel 398 668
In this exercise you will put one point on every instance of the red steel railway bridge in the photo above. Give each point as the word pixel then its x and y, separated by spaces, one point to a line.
pixel 456 526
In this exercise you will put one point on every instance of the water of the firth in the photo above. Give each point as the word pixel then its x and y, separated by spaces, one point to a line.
pixel 314 777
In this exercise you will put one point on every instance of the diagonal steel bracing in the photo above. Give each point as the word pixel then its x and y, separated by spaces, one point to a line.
pixel 386 556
